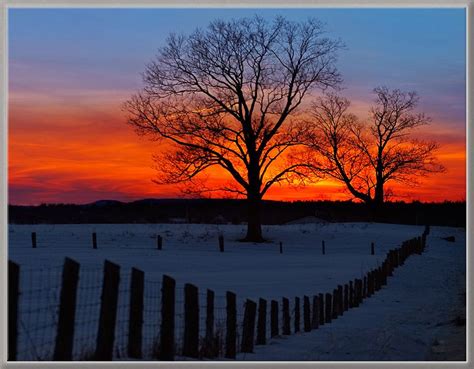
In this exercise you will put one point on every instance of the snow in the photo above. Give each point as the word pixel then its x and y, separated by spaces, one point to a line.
pixel 398 323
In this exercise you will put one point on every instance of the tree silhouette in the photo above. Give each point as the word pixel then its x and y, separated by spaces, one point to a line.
pixel 226 96
pixel 366 155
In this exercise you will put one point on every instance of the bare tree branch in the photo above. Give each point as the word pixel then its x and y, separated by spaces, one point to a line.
pixel 226 95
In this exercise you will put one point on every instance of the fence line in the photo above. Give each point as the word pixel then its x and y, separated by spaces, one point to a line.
pixel 71 313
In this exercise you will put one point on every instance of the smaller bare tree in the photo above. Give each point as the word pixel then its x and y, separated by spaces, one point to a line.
pixel 365 156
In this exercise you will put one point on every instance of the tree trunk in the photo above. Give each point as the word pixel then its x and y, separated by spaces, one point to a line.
pixel 254 225
pixel 378 201
pixel 379 194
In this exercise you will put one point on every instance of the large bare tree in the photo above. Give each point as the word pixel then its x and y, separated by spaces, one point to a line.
pixel 366 155
pixel 225 96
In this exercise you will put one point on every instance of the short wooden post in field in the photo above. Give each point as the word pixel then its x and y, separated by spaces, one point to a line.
pixel 262 322
pixel 94 240
pixel 372 248
pixel 306 314
pixel 108 312
pixel 281 247
pixel 248 329
pixel 67 311
pixel 286 316
pixel 274 330
pixel 231 325
pixel 13 299
pixel 323 247
pixel 321 309
pixel 315 313
pixel 168 293
pixel 33 240
pixel 209 339
pixel 191 321
pixel 221 243
pixel 159 242
pixel 135 316
pixel 297 314
pixel 328 304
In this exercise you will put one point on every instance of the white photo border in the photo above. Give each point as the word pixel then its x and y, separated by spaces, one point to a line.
pixel 8 4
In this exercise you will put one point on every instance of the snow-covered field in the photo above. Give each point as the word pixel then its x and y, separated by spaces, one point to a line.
pixel 398 323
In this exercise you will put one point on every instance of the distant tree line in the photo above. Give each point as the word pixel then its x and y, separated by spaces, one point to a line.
pixel 235 212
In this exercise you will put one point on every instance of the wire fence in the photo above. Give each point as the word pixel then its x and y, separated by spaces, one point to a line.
pixel 135 318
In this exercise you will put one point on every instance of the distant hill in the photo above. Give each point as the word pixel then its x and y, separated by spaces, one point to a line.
pixel 234 211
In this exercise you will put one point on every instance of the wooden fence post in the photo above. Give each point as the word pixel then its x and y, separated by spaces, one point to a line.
pixel 369 284
pixel 378 281
pixel 94 240
pixel 306 314
pixel 346 297
pixel 351 294
pixel 286 316
pixel 315 313
pixel 323 248
pixel 321 309
pixel 364 288
pixel 191 321
pixel 297 314
pixel 168 292
pixel 210 352
pixel 262 322
pixel 135 315
pixel 221 243
pixel 391 262
pixel 340 300
pixel 274 331
pixel 33 240
pixel 328 304
pixel 334 304
pixel 13 298
pixel 159 242
pixel 356 293
pixel 231 326
pixel 108 312
pixel 67 311
pixel 248 329
pixel 384 273
pixel 395 258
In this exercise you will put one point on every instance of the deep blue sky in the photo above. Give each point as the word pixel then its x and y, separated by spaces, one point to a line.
pixel 422 49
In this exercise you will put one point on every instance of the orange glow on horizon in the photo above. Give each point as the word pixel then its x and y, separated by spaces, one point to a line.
pixel 79 150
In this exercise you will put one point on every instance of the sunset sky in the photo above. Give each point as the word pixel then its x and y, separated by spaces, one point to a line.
pixel 70 70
